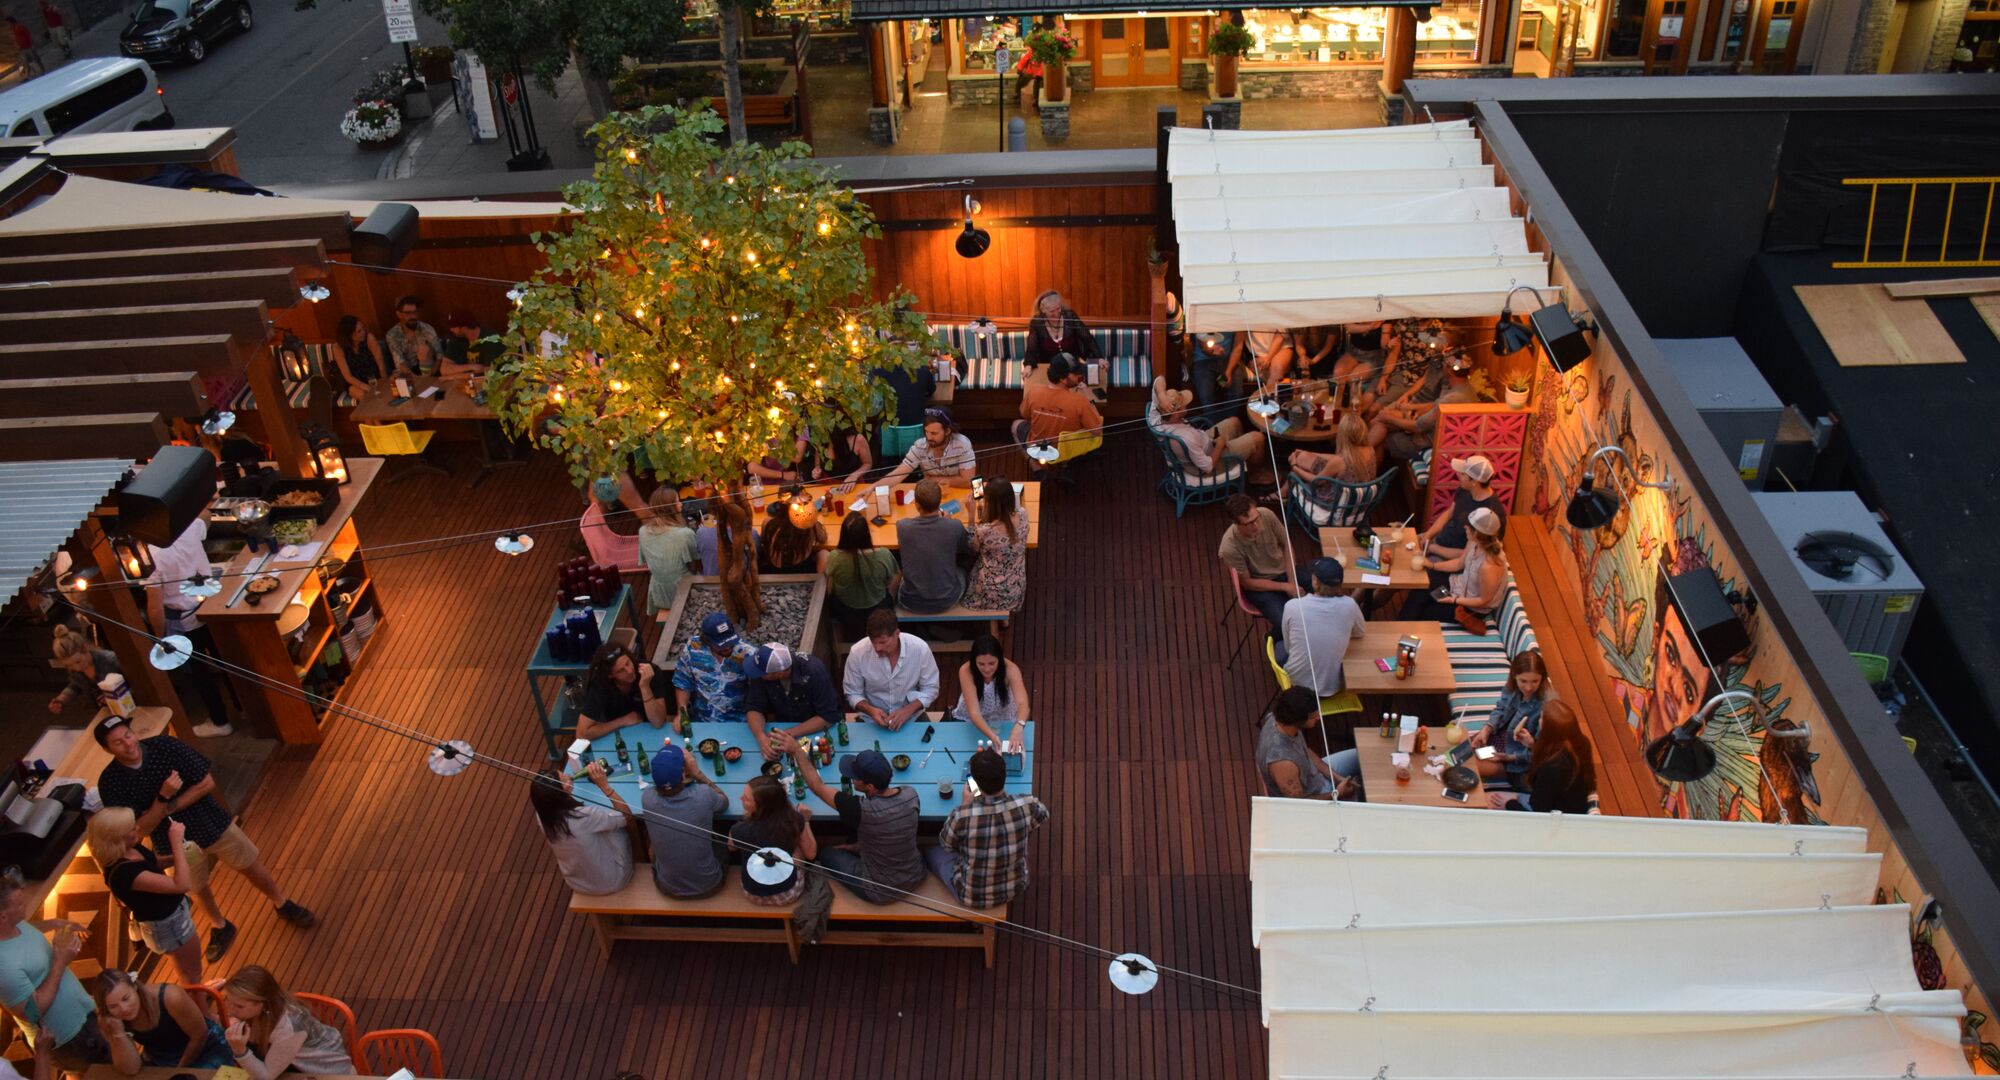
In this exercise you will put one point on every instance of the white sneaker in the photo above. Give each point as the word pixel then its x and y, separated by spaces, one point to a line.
pixel 213 731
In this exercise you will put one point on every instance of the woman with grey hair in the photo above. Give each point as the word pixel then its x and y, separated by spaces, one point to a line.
pixel 1054 329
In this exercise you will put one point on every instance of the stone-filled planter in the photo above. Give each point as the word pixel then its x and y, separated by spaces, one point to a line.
pixel 793 605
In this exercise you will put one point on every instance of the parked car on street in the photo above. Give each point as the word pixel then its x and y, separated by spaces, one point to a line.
pixel 181 29
pixel 104 93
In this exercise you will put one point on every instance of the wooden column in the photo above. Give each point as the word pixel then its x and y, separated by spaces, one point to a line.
pixel 274 408
pixel 1399 49
pixel 878 65
pixel 150 685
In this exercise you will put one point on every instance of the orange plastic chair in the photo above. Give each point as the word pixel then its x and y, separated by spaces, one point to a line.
pixel 334 1012
pixel 383 1052
pixel 207 1000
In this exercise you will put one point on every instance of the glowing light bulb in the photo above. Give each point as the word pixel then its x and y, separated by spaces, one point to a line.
pixel 732 318
pixel 705 243
pixel 631 154
pixel 781 385
pixel 674 366
pixel 817 383
pixel 605 254
pixel 597 316
pixel 662 414
pixel 718 434
pixel 774 412
pixel 639 312
pixel 851 326
pixel 825 227
pixel 617 385
pixel 556 394
pixel 750 257
pixel 729 179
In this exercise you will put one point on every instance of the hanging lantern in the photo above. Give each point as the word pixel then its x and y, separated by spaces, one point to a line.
pixel 292 359
pixel 133 558
pixel 327 460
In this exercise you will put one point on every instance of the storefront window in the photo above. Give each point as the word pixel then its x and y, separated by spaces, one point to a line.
pixel 820 14
pixel 1313 36
pixel 978 37
pixel 1628 26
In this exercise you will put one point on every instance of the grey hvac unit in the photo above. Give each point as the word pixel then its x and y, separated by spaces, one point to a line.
pixel 1864 584
pixel 1741 409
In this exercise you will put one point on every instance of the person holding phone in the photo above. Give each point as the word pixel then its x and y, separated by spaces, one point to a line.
pixel 982 849
pixel 1562 774
pixel 991 692
pixel 1289 767
pixel 592 847
pixel 1511 727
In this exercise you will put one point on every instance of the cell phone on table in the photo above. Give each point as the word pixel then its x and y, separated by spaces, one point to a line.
pixel 1456 796
pixel 878 521
pixel 397 400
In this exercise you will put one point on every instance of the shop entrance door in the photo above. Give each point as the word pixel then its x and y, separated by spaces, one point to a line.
pixel 1135 52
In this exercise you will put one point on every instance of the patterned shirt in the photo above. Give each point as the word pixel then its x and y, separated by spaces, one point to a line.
pixel 954 457
pixel 991 839
pixel 402 345
pixel 715 684
pixel 138 789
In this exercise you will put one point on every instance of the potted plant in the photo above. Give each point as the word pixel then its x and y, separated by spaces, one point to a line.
pixel 433 63
pixel 1228 43
pixel 1052 49
pixel 373 124
pixel 1155 261
pixel 1517 390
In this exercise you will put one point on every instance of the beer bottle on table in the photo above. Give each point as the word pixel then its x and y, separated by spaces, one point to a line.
pixel 624 754
pixel 846 786
pixel 721 760
pixel 682 722
pixel 798 785
pixel 840 729
pixel 878 746
pixel 645 763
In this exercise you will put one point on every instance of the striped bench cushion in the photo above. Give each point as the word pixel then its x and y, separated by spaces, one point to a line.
pixel 319 357
pixel 1420 470
pixel 993 361
pixel 1481 662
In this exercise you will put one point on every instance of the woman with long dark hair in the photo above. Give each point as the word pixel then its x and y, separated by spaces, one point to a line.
pixel 1515 721
pixel 357 355
pixel 1561 776
pixel 991 692
pixel 771 821
pixel 591 846
pixel 1000 543
pixel 860 577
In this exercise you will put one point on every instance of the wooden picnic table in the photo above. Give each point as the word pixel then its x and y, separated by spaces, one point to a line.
pixel 1339 543
pixel 1378 773
pixel 452 402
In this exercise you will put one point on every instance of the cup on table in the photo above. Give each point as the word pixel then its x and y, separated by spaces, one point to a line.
pixel 902 496
pixel 944 789
pixel 839 507
pixel 1416 562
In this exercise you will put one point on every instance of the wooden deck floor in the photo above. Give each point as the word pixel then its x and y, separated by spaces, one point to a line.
pixel 441 909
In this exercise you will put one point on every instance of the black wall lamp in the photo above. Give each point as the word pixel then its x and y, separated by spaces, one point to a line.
pixel 1510 337
pixel 1560 333
pixel 972 241
pixel 1681 754
pixel 1593 507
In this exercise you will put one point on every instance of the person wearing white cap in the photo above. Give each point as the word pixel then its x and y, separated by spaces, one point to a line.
pixel 1445 537
pixel 787 688
pixel 1475 578
pixel 1202 450
pixel 1407 429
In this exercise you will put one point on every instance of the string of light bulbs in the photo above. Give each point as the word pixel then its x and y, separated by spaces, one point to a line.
pixel 1136 970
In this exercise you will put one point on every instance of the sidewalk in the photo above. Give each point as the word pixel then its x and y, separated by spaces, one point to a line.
pixel 443 146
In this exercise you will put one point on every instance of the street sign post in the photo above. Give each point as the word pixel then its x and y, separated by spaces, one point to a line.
pixel 1002 58
pixel 401 19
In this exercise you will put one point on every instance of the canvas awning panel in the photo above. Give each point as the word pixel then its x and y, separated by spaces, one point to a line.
pixel 86 204
pixel 1416 942
pixel 1287 229
pixel 41 504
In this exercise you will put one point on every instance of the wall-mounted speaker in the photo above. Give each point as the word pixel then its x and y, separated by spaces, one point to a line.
pixel 385 237
pixel 1560 336
pixel 167 495
pixel 1711 622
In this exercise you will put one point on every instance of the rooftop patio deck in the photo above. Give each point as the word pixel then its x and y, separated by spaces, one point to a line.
pixel 440 907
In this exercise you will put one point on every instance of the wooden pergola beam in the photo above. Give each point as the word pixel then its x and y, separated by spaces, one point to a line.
pixel 245 320
pixel 59 438
pixel 278 287
pixel 207 354
pixel 208 258
pixel 330 229
pixel 173 394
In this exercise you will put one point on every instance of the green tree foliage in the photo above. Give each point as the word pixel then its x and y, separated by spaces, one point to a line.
pixel 705 300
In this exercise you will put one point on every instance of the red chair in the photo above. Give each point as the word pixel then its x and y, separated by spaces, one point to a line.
pixel 207 1000
pixel 334 1012
pixel 1256 617
pixel 383 1052
pixel 607 548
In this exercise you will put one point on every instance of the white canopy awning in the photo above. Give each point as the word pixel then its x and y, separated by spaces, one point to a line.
pixel 1281 229
pixel 85 204
pixel 1446 943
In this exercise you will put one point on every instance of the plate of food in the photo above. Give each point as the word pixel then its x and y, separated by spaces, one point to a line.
pixel 772 768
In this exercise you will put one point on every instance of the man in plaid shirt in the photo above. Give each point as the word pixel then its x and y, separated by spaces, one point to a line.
pixel 982 852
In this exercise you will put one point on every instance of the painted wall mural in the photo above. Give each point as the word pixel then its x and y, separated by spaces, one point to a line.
pixel 1764 770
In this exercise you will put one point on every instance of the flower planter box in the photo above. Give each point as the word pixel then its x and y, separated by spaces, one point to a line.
pixel 793 604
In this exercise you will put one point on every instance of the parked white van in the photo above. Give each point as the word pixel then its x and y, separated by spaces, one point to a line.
pixel 99 94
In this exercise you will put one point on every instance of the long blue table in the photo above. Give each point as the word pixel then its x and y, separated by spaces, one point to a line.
pixel 929 762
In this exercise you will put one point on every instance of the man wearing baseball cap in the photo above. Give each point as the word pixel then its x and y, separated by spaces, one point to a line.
pixel 1407 429
pixel 680 811
pixel 708 677
pixel 1317 629
pixel 788 688
pixel 1474 579
pixel 883 862
pixel 1446 536
pixel 1057 408
pixel 1203 450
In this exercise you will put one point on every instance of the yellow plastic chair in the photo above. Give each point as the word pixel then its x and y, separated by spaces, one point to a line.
pixel 397 440
pixel 1071 445
pixel 1344 702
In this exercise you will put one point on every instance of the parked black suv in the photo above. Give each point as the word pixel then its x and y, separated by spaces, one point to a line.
pixel 181 29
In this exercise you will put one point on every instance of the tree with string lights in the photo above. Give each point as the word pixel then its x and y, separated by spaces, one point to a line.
pixel 704 301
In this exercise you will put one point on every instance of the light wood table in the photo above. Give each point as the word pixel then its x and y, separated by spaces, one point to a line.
pixel 1378 642
pixel 1397 560
pixel 453 402
pixel 1378 774
pixel 885 533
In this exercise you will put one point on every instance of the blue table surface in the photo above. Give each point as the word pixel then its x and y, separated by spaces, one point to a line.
pixel 928 761
pixel 607 620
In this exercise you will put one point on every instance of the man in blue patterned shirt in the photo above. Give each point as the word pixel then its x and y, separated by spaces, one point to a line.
pixel 708 677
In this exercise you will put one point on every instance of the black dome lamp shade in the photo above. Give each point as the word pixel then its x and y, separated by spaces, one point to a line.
pixel 1510 337
pixel 1591 508
pixel 1682 755
pixel 972 241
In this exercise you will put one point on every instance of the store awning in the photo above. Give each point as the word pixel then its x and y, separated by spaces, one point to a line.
pixel 878 10
pixel 1421 942
pixel 1281 229
pixel 41 504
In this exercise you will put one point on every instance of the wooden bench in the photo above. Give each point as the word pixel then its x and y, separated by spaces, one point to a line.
pixel 955 614
pixel 639 912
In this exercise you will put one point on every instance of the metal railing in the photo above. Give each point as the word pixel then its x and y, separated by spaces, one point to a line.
pixel 1916 185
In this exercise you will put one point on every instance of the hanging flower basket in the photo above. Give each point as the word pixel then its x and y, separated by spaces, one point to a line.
pixel 373 123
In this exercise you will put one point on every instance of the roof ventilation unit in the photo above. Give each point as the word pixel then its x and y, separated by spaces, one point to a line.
pixel 1849 563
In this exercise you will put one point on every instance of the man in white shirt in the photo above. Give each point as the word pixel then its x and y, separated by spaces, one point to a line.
pixel 1318 629
pixel 891 676
pixel 1203 450
pixel 171 611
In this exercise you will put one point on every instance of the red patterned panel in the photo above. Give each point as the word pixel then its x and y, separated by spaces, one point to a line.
pixel 1495 431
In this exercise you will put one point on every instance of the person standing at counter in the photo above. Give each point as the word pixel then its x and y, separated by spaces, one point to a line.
pixel 163 778
pixel 86 664
pixel 36 986
pixel 171 611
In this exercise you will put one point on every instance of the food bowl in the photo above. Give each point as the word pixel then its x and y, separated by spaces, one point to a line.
pixel 1460 778
pixel 734 753
pixel 772 768
pixel 707 747
pixel 900 762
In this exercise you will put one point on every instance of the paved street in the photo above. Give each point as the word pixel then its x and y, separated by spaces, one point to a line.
pixel 283 86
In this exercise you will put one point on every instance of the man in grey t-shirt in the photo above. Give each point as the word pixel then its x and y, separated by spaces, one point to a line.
pixel 686 862
pixel 1317 630
pixel 1289 766
pixel 884 819
pixel 935 551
